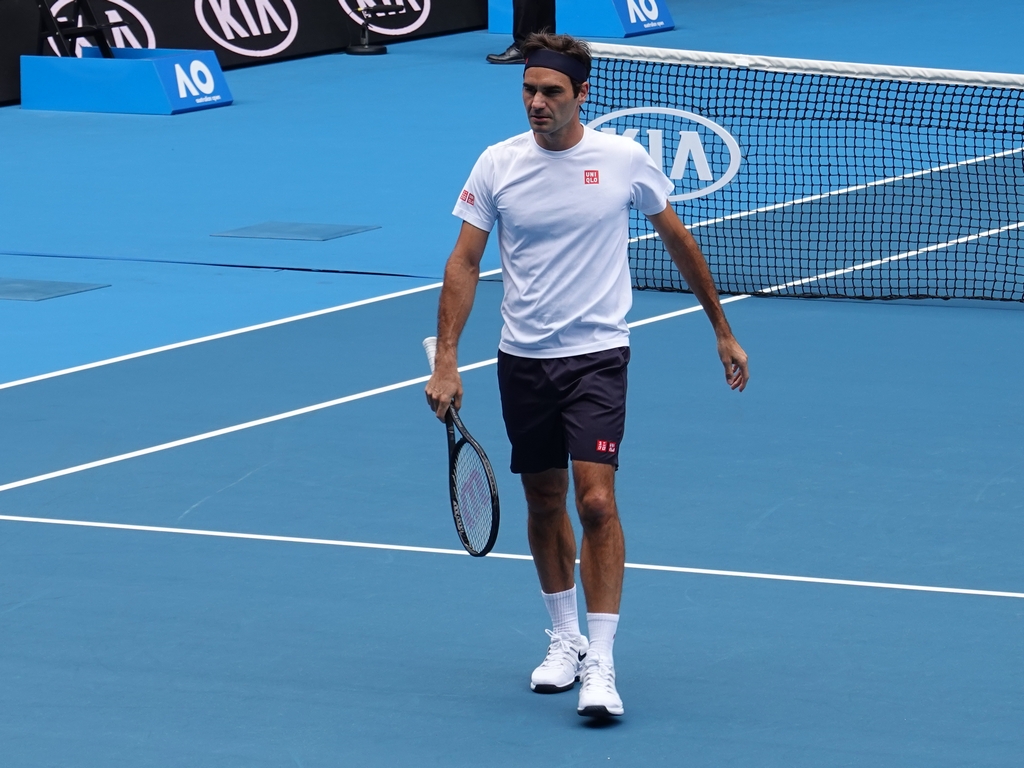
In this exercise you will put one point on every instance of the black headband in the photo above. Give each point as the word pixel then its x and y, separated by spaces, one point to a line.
pixel 567 65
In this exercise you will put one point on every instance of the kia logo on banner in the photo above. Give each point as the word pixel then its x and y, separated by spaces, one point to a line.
pixel 256 28
pixel 389 17
pixel 699 155
pixel 135 32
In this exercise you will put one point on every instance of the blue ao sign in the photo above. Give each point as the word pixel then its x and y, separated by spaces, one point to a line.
pixel 697 154
pixel 642 16
pixel 192 80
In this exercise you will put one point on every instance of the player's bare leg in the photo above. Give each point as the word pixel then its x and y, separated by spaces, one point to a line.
pixel 603 555
pixel 552 541
pixel 602 564
pixel 553 544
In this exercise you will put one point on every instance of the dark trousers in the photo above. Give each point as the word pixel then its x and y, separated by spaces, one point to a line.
pixel 532 16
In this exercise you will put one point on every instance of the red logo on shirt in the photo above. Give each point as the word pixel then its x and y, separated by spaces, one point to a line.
pixel 606 446
pixel 591 177
pixel 467 197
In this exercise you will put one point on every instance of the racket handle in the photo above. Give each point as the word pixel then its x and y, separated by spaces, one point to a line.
pixel 430 347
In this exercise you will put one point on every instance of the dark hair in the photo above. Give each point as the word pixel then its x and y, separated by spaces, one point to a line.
pixel 567 44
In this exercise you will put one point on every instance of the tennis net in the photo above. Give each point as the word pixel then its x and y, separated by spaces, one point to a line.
pixel 824 179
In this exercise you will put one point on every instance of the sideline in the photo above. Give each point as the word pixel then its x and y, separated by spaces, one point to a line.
pixel 228 430
pixel 289 414
pixel 504 556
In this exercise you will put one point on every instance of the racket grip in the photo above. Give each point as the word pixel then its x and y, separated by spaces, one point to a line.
pixel 430 347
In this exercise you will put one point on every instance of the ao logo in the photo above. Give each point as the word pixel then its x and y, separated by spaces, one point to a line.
pixel 390 17
pixel 694 140
pixel 267 27
pixel 199 79
pixel 642 10
pixel 137 34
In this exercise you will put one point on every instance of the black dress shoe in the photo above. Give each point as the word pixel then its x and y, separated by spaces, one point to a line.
pixel 512 55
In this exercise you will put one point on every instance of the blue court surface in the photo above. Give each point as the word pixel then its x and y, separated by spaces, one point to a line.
pixel 225 537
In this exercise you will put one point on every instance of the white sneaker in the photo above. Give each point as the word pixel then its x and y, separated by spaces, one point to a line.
pixel 598 697
pixel 561 667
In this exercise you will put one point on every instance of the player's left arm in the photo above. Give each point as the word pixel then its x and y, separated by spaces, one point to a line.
pixel 691 264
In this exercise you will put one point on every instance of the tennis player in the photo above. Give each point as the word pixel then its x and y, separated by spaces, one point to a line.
pixel 560 195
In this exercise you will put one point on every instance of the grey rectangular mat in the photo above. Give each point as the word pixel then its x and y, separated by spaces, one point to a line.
pixel 291 230
pixel 37 290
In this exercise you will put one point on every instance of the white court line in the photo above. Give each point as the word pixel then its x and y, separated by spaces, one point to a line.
pixel 432 286
pixel 687 311
pixel 504 556
pixel 838 272
pixel 470 367
pixel 227 334
pixel 897 257
pixel 843 191
pixel 229 430
pixel 288 414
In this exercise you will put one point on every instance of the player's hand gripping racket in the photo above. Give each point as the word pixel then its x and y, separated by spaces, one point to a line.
pixel 471 484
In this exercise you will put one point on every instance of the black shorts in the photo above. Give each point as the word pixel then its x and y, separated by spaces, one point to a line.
pixel 564 406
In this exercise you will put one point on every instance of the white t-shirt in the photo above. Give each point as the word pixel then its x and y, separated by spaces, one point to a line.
pixel 563 227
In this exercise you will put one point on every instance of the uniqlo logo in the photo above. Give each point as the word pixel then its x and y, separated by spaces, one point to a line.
pixel 602 446
pixel 591 177
pixel 611 447
pixel 467 197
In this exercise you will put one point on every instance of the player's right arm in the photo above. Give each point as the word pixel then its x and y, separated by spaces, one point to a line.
pixel 461 275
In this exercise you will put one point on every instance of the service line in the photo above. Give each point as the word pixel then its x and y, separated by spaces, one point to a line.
pixel 503 556
pixel 472 366
pixel 227 334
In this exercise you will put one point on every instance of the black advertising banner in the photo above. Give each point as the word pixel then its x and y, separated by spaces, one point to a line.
pixel 404 19
pixel 19 29
pixel 241 32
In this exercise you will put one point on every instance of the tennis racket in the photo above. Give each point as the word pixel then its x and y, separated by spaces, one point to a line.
pixel 471 485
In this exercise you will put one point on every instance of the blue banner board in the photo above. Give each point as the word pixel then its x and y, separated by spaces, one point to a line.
pixel 193 80
pixel 135 81
pixel 641 17
pixel 612 18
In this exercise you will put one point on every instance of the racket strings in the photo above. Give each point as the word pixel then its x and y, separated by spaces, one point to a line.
pixel 473 493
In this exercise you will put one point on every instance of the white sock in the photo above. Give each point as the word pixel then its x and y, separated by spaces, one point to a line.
pixel 601 627
pixel 561 606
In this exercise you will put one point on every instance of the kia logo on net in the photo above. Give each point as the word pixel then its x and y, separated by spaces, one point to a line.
pixel 699 155
pixel 250 27
pixel 134 31
pixel 389 17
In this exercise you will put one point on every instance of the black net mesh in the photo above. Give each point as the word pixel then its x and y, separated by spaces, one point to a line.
pixel 824 185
